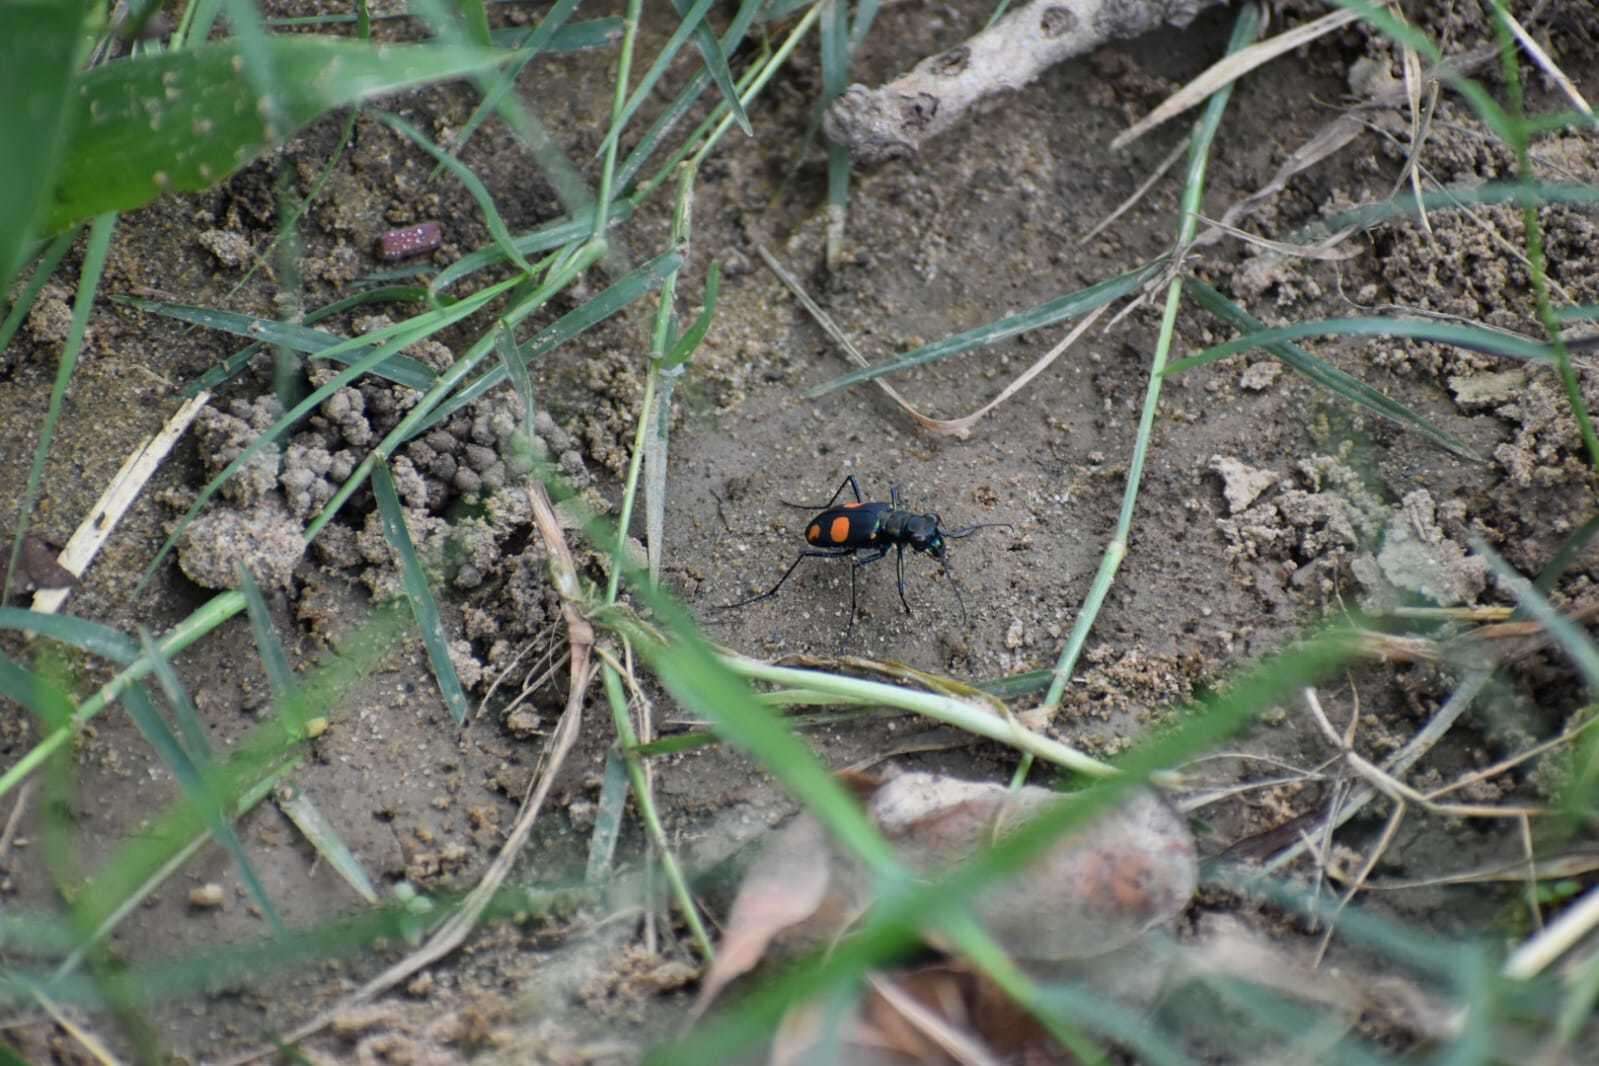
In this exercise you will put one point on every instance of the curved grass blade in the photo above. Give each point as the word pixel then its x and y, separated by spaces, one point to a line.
pixel 273 660
pixel 1474 338
pixel 1323 373
pixel 628 288
pixel 233 364
pixel 40 46
pixel 691 21
pixel 608 817
pixel 463 174
pixel 91 637
pixel 189 769
pixel 691 92
pixel 1408 205
pixel 1072 305
pixel 578 37
pixel 183 121
pixel 318 344
pixel 716 63
pixel 315 827
pixel 529 44
pixel 833 33
pixel 558 234
pixel 94 258
pixel 37 694
pixel 689 342
pixel 423 606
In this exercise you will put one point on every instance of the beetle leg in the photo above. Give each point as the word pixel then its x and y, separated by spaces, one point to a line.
pixel 848 483
pixel 809 553
pixel 899 565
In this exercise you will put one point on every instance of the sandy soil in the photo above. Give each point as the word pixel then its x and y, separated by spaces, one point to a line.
pixel 1267 503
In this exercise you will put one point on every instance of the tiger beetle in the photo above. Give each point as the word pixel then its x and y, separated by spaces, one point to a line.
pixel 866 530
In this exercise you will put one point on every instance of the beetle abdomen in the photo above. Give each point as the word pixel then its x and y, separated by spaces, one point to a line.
pixel 854 525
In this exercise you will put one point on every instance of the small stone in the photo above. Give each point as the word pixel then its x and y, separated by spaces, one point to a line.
pixel 1241 484
pixel 208 897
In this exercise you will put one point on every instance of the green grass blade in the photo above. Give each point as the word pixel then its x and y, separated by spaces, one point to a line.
pixel 558 234
pixel 892 927
pixel 1323 373
pixel 1474 338
pixel 628 288
pixel 40 47
pixel 528 44
pixel 191 777
pixel 865 15
pixel 1556 567
pixel 91 637
pixel 235 363
pixel 833 33
pixel 94 258
pixel 578 37
pixel 38 695
pixel 47 263
pixel 474 187
pixel 611 808
pixel 716 64
pixel 686 99
pixel 315 827
pixel 690 341
pixel 267 644
pixel 423 606
pixel 400 369
pixel 1457 198
pixel 259 757
pixel 691 20
pixel 1072 305
pixel 1572 639
pixel 183 121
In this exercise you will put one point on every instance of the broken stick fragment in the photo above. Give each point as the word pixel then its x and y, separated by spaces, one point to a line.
pixel 892 121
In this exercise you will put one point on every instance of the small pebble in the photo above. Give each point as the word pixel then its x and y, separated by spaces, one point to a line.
pixel 207 896
pixel 410 240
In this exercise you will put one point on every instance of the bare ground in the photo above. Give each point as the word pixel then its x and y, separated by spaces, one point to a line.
pixel 986 221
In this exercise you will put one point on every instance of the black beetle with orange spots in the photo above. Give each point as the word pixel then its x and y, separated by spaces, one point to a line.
pixel 866 530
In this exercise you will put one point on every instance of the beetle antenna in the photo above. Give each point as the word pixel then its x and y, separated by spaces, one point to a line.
pixel 969 530
pixel 956 585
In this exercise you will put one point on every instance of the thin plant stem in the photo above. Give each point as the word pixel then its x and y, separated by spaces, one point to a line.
pixel 624 68
pixel 644 796
pixel 1193 194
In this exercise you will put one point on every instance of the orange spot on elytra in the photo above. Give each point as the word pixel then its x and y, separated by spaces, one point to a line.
pixel 851 506
pixel 838 532
pixel 814 533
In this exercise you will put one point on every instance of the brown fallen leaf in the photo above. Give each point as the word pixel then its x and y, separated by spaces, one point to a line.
pixel 37 567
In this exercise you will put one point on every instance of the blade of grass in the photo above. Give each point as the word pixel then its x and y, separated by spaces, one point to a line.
pixel 1474 338
pixel 531 42
pixel 185 633
pixel 183 121
pixel 716 63
pixel 1457 198
pixel 233 364
pixel 40 49
pixel 91 637
pixel 423 606
pixel 1323 373
pixel 610 809
pixel 578 37
pixel 689 22
pixel 833 34
pixel 1072 305
pixel 557 234
pixel 190 771
pixel 276 664
pixel 474 187
pixel 400 369
pixel 1245 28
pixel 42 272
pixel 94 257
pixel 315 827
pixel 893 925
pixel 626 289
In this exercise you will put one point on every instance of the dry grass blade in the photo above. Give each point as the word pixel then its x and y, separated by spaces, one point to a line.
pixel 1178 151
pixel 1558 937
pixel 1325 250
pixel 959 428
pixel 1332 137
pixel 115 501
pixel 1541 58
pixel 1230 69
